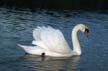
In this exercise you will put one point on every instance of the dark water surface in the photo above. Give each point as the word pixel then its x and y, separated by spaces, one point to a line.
pixel 16 27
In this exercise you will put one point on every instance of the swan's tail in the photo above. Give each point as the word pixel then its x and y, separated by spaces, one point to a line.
pixel 25 48
pixel 31 49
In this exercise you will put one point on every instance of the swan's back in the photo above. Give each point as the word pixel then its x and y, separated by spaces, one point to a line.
pixel 50 39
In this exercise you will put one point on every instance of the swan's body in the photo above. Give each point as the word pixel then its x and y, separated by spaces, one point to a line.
pixel 52 42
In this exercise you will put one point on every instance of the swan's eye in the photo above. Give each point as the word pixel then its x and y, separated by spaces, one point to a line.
pixel 86 32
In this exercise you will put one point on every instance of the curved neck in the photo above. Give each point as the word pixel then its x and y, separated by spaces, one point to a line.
pixel 76 45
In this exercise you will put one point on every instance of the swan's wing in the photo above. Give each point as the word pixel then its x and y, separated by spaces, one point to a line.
pixel 37 33
pixel 50 39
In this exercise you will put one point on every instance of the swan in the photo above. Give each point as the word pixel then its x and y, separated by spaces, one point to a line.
pixel 49 41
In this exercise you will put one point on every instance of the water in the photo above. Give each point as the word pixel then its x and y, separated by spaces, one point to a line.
pixel 16 27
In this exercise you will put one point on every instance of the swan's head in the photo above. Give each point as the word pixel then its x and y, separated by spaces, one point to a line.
pixel 84 29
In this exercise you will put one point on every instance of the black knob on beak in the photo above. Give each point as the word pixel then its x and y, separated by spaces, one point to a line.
pixel 86 32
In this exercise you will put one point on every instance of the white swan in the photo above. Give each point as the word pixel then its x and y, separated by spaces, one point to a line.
pixel 51 42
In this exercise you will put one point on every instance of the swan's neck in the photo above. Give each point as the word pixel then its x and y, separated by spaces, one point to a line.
pixel 76 45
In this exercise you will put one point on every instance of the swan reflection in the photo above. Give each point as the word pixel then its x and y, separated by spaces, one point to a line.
pixel 51 63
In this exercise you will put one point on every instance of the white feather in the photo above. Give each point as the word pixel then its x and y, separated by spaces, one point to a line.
pixel 51 39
